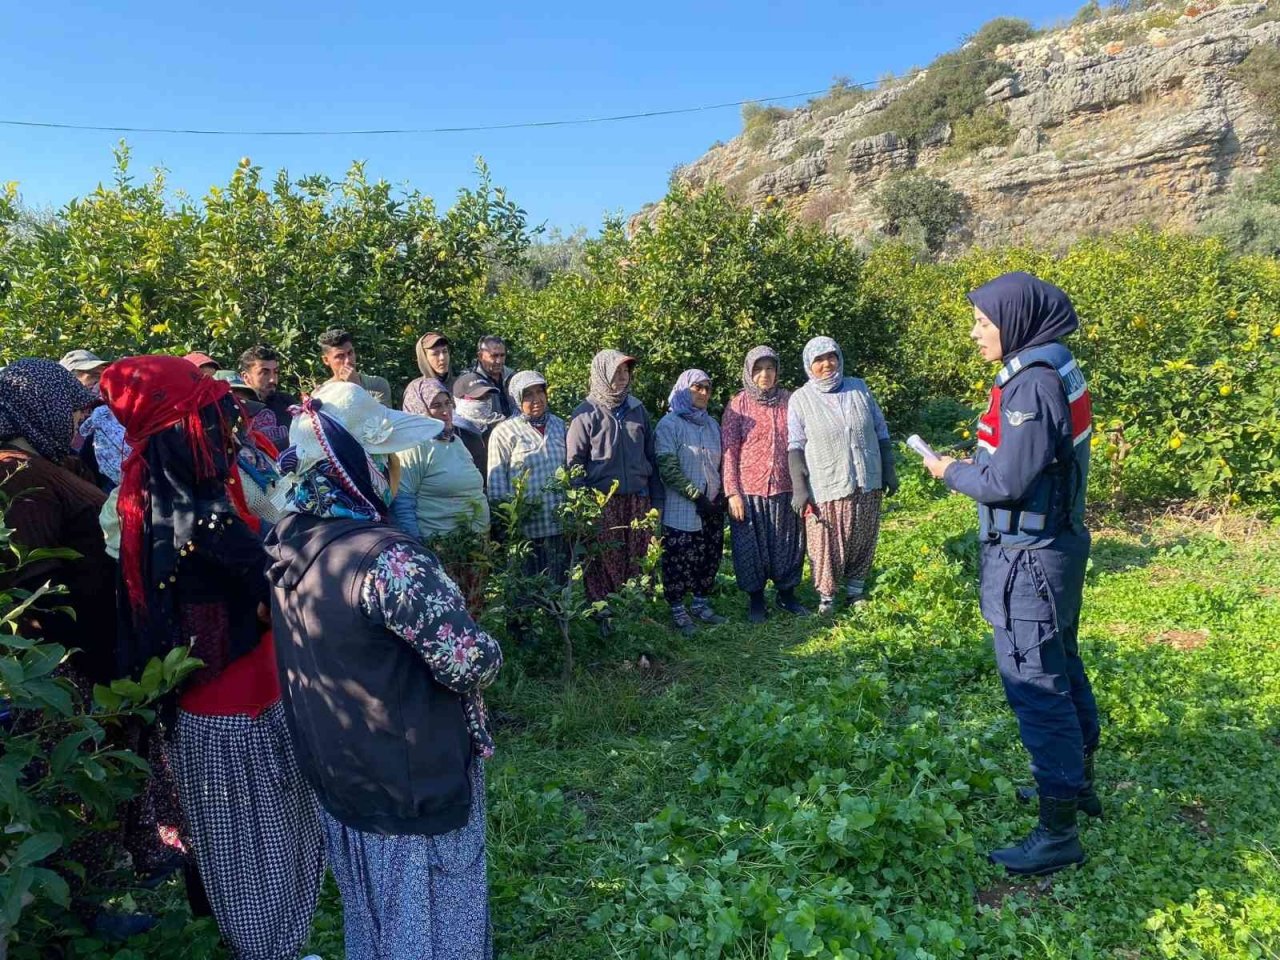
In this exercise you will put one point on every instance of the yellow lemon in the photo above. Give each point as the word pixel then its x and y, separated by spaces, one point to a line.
pixel 1175 443
pixel 1095 441
pixel 1225 390
pixel 965 434
pixel 1275 331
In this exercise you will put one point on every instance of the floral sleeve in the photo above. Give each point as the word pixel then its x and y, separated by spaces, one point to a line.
pixel 407 592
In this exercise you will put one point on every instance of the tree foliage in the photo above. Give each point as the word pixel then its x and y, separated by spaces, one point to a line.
pixel 125 270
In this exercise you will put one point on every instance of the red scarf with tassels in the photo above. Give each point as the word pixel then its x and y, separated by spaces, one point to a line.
pixel 149 395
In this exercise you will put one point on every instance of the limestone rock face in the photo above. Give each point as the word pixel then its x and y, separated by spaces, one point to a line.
pixel 1116 123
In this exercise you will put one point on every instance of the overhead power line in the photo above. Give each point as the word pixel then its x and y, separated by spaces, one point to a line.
pixel 475 128
pixel 393 131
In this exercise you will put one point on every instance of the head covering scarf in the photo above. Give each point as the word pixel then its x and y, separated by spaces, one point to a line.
pixel 770 397
pixel 424 361
pixel 38 402
pixel 816 348
pixel 521 382
pixel 181 429
pixel 603 366
pixel 347 483
pixel 680 400
pixel 419 397
pixel 1027 311
pixel 478 413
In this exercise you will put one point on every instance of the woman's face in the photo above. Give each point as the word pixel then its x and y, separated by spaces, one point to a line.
pixel 986 337
pixel 438 358
pixel 441 407
pixel 700 394
pixel 825 365
pixel 533 401
pixel 621 377
pixel 764 374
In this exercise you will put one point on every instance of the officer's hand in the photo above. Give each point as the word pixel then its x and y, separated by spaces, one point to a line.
pixel 938 466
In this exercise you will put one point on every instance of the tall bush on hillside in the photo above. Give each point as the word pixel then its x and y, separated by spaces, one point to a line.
pixel 914 203
pixel 697 288
pixel 127 270
pixel 1249 220
pixel 953 86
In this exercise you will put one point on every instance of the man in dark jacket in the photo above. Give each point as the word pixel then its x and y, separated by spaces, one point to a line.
pixel 491 364
pixel 1029 477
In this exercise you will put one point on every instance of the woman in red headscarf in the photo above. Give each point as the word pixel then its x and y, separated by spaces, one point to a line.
pixel 195 575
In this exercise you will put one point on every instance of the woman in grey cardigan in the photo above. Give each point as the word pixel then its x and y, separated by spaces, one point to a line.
pixel 841 464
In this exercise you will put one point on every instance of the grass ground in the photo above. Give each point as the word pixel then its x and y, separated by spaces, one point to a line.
pixel 829 788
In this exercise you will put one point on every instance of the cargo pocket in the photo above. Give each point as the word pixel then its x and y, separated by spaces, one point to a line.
pixel 1029 597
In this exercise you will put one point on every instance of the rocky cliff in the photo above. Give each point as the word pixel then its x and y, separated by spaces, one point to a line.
pixel 1132 118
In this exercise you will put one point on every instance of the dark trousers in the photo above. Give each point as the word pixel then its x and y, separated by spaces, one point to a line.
pixel 691 559
pixel 1032 600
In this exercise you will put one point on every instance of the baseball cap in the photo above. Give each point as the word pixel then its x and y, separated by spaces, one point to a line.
pixel 201 360
pixel 472 386
pixel 80 361
pixel 234 379
pixel 429 340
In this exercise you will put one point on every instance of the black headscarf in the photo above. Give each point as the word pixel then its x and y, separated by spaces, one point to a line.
pixel 38 401
pixel 1027 311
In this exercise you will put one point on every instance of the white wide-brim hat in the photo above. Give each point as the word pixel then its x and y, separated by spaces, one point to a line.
pixel 379 429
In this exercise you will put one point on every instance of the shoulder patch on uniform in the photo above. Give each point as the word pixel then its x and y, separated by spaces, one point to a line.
pixel 1017 418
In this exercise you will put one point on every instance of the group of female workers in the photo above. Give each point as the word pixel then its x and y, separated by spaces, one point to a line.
pixel 331 637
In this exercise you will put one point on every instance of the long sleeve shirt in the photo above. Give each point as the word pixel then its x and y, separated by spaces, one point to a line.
pixel 615 445
pixel 693 452
pixel 516 449
pixel 755 447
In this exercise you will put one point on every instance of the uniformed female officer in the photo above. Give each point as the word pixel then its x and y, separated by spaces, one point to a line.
pixel 1028 477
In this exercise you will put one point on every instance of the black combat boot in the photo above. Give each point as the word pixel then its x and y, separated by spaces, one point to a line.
pixel 1088 802
pixel 1052 845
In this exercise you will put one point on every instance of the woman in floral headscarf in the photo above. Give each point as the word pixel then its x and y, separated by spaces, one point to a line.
pixel 194 573
pixel 766 534
pixel 383 668
pixel 841 464
pixel 611 438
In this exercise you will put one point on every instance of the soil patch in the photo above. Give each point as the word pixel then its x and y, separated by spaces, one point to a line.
pixel 994 896
pixel 1194 816
pixel 1183 641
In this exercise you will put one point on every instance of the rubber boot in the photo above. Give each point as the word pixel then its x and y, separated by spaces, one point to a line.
pixel 756 611
pixel 787 601
pixel 1051 846
pixel 1088 802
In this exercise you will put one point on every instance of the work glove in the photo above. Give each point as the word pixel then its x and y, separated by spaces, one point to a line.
pixel 705 506
pixel 888 468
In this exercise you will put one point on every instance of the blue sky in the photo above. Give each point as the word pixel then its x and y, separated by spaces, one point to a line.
pixel 398 64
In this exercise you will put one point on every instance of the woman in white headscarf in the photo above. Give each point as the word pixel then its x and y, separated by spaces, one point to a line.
pixel 841 465
pixel 530 448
